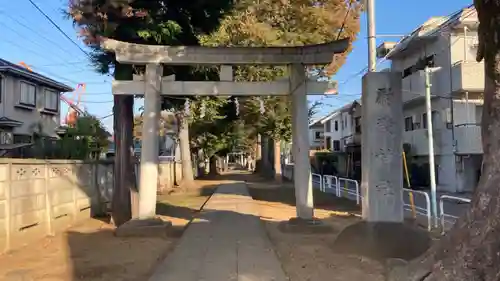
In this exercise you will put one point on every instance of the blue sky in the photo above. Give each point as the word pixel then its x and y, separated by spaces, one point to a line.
pixel 28 37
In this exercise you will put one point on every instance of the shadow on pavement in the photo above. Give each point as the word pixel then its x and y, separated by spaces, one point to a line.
pixel 93 253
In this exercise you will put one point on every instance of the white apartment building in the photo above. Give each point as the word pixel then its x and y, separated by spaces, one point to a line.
pixel 342 127
pixel 449 45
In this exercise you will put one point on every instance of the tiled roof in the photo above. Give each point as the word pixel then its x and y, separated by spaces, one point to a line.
pixel 9 66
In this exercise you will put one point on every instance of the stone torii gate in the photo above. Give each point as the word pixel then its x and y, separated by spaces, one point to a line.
pixel 153 85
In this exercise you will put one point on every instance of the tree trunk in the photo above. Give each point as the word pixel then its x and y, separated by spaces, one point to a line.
pixel 125 195
pixel 277 160
pixel 258 153
pixel 187 164
pixel 201 163
pixel 470 250
pixel 213 165
pixel 265 163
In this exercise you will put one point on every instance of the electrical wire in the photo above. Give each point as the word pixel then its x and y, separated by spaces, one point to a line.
pixel 37 33
pixel 342 26
pixel 66 63
pixel 440 51
pixel 105 117
pixel 43 55
pixel 96 101
pixel 454 14
pixel 58 28
pixel 17 45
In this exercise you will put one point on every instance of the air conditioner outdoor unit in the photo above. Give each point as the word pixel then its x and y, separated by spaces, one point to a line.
pixel 6 138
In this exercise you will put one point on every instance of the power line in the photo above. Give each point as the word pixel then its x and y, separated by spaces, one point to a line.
pixel 66 63
pixel 57 27
pixel 345 19
pixel 96 101
pixel 67 79
pixel 440 28
pixel 338 37
pixel 38 54
pixel 105 117
pixel 37 33
pixel 17 45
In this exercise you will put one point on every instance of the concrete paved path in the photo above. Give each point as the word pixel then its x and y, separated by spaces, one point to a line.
pixel 227 242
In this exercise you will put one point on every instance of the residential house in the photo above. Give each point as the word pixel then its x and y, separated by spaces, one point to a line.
pixel 342 127
pixel 342 133
pixel 29 103
pixel 316 135
pixel 448 45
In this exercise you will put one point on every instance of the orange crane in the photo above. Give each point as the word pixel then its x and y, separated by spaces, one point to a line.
pixel 74 110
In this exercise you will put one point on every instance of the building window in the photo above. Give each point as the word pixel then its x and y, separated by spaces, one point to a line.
pixel 336 145
pixel 317 135
pixel 409 124
pixel 51 100
pixel 336 125
pixel 1 87
pixel 28 94
pixel 329 125
pixel 22 139
pixel 357 124
pixel 433 119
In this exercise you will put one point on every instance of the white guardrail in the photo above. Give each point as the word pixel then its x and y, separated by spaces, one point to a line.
pixel 442 214
pixel 423 211
pixel 317 179
pixel 348 188
pixel 338 186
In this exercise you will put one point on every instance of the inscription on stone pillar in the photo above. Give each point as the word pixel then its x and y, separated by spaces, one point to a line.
pixel 382 147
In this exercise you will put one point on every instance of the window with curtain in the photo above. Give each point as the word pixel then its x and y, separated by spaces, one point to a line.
pixel 28 94
pixel 51 100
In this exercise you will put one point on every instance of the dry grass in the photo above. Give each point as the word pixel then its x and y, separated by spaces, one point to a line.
pixel 311 256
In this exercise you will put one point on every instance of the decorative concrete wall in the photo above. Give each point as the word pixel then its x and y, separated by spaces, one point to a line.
pixel 43 197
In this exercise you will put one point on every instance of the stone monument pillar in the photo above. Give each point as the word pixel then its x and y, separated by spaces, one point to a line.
pixel 382 147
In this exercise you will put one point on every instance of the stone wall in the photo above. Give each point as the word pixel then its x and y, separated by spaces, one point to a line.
pixel 43 197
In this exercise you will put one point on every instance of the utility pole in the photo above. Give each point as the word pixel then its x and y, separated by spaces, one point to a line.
pixel 372 48
pixel 432 169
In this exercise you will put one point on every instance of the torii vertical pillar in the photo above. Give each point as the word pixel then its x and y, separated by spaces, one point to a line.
pixel 382 148
pixel 150 142
pixel 300 135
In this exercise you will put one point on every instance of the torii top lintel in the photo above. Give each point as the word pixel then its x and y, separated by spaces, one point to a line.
pixel 186 55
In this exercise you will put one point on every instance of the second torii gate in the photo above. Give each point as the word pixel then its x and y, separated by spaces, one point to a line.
pixel 153 85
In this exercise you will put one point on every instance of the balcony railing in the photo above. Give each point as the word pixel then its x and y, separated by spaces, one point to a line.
pixel 352 139
pixel 418 140
pixel 468 139
pixel 413 86
pixel 467 76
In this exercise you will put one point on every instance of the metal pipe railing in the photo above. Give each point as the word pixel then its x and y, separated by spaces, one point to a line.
pixel 421 211
pixel 442 214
